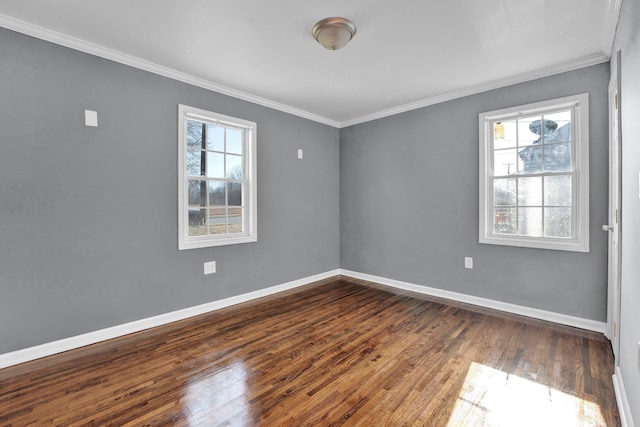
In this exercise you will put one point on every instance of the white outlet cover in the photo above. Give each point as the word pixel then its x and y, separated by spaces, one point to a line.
pixel 209 267
pixel 300 153
pixel 91 118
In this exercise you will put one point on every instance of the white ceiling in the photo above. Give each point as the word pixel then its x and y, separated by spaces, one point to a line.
pixel 406 53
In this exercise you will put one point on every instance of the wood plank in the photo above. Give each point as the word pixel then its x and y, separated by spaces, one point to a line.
pixel 339 352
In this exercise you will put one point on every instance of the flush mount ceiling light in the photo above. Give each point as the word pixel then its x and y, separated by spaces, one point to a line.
pixel 334 33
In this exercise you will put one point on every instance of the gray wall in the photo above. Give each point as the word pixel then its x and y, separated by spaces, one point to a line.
pixel 88 236
pixel 88 216
pixel 409 203
pixel 627 42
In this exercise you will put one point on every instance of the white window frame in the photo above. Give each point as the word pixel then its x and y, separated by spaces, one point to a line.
pixel 249 194
pixel 580 158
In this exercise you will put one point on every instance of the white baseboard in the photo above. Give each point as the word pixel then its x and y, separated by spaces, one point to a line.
pixel 48 349
pixel 621 398
pixel 562 319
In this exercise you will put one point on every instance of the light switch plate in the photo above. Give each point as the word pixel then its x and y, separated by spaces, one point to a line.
pixel 468 262
pixel 300 154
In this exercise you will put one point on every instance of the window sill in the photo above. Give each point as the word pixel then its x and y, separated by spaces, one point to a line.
pixel 208 242
pixel 524 242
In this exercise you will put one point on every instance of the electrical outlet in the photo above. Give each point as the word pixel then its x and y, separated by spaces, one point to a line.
pixel 209 267
pixel 91 118
pixel 300 153
pixel 468 262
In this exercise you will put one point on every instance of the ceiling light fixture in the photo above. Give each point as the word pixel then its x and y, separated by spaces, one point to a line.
pixel 334 33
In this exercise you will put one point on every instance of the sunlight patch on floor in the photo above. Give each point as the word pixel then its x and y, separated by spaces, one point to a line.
pixel 491 397
pixel 219 398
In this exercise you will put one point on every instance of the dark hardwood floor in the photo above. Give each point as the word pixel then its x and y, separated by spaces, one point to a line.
pixel 339 352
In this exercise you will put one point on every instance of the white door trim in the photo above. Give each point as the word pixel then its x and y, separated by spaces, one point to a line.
pixel 615 202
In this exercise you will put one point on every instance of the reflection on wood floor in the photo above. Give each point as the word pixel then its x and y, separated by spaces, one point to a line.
pixel 338 352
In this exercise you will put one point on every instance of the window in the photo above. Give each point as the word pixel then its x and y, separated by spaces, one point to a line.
pixel 217 173
pixel 534 175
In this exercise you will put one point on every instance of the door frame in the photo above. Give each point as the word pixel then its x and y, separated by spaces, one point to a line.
pixel 615 205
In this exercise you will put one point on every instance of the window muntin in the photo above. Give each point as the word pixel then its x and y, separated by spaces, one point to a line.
pixel 534 175
pixel 217 174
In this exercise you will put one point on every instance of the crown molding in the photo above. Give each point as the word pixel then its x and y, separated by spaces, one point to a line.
pixel 472 90
pixel 135 62
pixel 610 26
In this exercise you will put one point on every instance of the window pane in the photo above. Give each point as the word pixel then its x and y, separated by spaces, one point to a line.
pixel 234 220
pixel 530 159
pixel 195 163
pixel 197 222
pixel 557 190
pixel 557 157
pixel 217 193
pixel 545 131
pixel 505 220
pixel 557 222
pixel 217 221
pixel 529 130
pixel 504 134
pixel 530 222
pixel 504 162
pixel 197 193
pixel 530 191
pixel 215 138
pixel 194 135
pixel 234 141
pixel 234 167
pixel 215 165
pixel 504 192
pixel 235 193
pixel 562 133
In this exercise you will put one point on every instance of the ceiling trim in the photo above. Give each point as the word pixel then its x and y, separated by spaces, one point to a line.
pixel 132 61
pixel 472 90
pixel 610 26
pixel 135 62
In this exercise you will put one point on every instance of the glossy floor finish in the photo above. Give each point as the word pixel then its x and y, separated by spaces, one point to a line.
pixel 339 352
